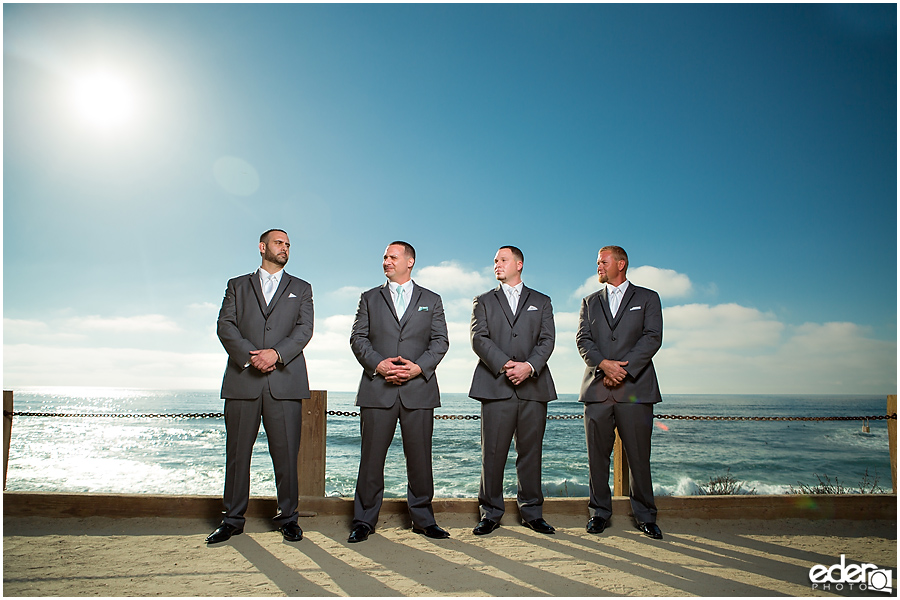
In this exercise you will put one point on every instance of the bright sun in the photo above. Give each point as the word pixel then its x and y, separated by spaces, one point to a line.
pixel 104 100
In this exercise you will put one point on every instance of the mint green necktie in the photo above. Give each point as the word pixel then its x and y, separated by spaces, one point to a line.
pixel 401 302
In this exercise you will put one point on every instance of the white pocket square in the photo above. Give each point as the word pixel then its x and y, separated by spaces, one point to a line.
pixel 425 308
pixel 635 308
pixel 292 295
pixel 532 307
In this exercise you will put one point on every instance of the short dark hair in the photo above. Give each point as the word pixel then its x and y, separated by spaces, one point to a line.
pixel 515 252
pixel 410 251
pixel 264 238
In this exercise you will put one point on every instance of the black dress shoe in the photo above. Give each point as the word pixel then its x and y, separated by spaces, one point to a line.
pixel 596 525
pixel 433 531
pixel 360 533
pixel 224 532
pixel 539 525
pixel 650 530
pixel 485 526
pixel 291 532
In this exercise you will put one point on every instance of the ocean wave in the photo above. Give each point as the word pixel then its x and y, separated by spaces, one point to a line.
pixel 687 486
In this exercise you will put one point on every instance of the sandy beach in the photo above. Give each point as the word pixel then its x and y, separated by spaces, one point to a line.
pixel 102 556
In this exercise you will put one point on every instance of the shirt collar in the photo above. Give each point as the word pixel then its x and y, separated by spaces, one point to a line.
pixel 621 288
pixel 407 287
pixel 518 287
pixel 263 275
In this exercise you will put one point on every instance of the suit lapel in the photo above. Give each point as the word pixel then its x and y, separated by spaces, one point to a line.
pixel 282 285
pixel 626 298
pixel 257 289
pixel 386 294
pixel 504 305
pixel 523 305
pixel 603 299
pixel 412 305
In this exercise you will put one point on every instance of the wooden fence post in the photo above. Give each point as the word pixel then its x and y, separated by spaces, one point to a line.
pixel 621 472
pixel 7 429
pixel 311 461
pixel 892 437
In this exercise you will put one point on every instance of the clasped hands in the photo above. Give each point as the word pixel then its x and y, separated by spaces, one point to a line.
pixel 264 360
pixel 517 372
pixel 613 372
pixel 397 370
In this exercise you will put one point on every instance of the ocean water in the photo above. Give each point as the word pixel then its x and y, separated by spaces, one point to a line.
pixel 187 456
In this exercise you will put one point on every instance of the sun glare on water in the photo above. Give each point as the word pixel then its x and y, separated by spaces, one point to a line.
pixel 104 100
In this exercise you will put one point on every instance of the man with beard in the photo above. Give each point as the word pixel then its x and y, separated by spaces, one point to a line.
pixel 265 322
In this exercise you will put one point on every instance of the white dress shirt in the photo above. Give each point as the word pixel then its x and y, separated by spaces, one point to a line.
pixel 614 308
pixel 263 276
pixel 395 295
pixel 513 299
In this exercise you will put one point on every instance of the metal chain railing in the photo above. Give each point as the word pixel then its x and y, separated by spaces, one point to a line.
pixel 710 418
pixel 339 413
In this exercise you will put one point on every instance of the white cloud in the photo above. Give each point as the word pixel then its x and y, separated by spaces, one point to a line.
pixel 566 321
pixel 204 306
pixel 707 348
pixel 458 308
pixel 718 327
pixel 330 335
pixel 110 367
pixel 136 324
pixel 590 285
pixel 734 349
pixel 29 329
pixel 451 279
pixel 349 291
pixel 666 282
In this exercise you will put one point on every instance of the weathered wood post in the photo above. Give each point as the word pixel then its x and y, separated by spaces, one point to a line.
pixel 621 472
pixel 311 461
pixel 892 437
pixel 7 429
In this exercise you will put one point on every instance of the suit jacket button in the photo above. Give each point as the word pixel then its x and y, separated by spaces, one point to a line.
pixel 613 338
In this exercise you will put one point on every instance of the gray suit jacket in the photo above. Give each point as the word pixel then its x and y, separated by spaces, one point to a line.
pixel 246 323
pixel 634 335
pixel 420 336
pixel 499 336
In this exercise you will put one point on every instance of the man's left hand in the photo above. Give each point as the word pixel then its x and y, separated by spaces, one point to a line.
pixel 264 360
pixel 404 371
pixel 611 383
pixel 517 372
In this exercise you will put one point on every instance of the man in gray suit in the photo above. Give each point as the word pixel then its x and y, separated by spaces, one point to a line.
pixel 619 332
pixel 513 335
pixel 265 322
pixel 399 337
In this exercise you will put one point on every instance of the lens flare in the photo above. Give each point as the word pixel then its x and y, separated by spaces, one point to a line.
pixel 103 99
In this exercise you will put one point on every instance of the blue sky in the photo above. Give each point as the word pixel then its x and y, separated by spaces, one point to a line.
pixel 744 155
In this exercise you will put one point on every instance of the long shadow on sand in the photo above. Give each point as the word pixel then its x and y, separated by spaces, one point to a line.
pixel 394 556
